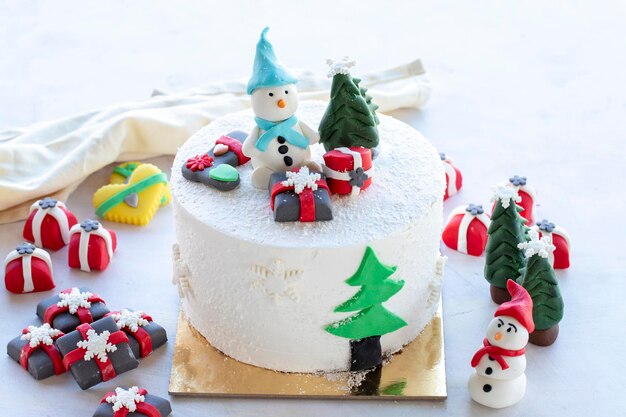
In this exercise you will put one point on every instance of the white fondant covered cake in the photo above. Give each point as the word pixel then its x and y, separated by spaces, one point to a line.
pixel 264 292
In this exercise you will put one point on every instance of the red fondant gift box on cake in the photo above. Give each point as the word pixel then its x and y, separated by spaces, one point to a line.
pixel 28 269
pixel 49 223
pixel 348 170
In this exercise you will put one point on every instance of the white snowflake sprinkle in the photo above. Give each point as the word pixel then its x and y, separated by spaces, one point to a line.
pixel 97 345
pixel 505 193
pixel 130 319
pixel 302 179
pixel 340 67
pixel 535 246
pixel 74 300
pixel 126 398
pixel 42 335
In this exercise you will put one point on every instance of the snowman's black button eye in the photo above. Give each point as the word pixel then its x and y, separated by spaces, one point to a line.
pixel 286 92
pixel 508 330
pixel 271 94
pixel 499 325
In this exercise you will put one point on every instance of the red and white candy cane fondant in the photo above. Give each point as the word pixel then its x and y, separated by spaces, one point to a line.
pixel 49 223
pixel 28 269
pixel 348 170
pixel 132 400
pixel 454 179
pixel 559 258
pixel 42 338
pixel 91 246
pixel 132 322
pixel 466 230
pixel 96 346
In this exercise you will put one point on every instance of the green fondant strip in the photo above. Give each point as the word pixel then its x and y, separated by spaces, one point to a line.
pixel 135 188
pixel 125 170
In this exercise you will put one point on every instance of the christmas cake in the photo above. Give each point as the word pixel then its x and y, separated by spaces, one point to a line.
pixel 263 292
pixel 289 271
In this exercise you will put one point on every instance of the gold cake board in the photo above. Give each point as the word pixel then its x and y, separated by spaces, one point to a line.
pixel 417 373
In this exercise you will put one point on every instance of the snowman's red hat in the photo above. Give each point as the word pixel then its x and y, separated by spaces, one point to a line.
pixel 520 307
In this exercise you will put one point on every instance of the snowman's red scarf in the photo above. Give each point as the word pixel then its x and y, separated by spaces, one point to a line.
pixel 496 353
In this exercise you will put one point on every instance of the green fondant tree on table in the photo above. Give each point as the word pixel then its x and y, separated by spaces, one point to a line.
pixel 350 118
pixel 503 259
pixel 539 279
pixel 372 320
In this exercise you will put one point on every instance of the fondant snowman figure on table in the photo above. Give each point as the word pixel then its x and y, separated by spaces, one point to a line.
pixel 499 380
pixel 279 142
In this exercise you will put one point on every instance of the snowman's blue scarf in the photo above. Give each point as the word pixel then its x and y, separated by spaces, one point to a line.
pixel 275 129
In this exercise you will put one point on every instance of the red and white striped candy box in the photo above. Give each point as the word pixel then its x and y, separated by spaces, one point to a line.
pixel 49 223
pixel 91 246
pixel 348 170
pixel 559 258
pixel 454 179
pixel 466 230
pixel 28 269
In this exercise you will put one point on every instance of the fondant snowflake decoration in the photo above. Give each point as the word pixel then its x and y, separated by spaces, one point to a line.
pixel 42 335
pixel 126 398
pixel 302 179
pixel 130 319
pixel 97 345
pixel 434 288
pixel 535 246
pixel 74 300
pixel 181 273
pixel 277 281
pixel 505 193
pixel 341 67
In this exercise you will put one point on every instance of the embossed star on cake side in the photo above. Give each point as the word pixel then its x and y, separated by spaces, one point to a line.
pixel 277 281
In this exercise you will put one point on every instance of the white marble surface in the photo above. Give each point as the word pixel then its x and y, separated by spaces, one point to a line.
pixel 535 89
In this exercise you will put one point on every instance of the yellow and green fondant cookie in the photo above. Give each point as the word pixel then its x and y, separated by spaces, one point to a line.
pixel 134 195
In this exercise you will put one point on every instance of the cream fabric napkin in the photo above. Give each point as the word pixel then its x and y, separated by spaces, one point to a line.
pixel 53 158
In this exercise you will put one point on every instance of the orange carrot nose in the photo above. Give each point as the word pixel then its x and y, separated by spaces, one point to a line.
pixel 498 336
pixel 281 103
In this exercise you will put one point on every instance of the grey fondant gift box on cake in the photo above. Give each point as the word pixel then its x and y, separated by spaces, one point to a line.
pixel 71 307
pixel 96 352
pixel 144 335
pixel 300 195
pixel 132 402
pixel 35 350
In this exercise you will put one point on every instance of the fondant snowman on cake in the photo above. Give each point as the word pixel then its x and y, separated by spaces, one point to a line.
pixel 499 380
pixel 279 142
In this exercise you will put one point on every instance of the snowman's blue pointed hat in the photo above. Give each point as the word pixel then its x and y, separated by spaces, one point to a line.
pixel 267 71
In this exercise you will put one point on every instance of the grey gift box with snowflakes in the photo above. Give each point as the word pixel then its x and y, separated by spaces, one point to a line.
pixel 96 352
pixel 36 351
pixel 300 196
pixel 66 310
pixel 144 335
pixel 133 402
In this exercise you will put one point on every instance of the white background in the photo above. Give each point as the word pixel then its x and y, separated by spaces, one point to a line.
pixel 534 89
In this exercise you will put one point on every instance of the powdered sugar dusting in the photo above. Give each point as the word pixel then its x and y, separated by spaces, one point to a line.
pixel 407 165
